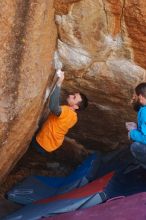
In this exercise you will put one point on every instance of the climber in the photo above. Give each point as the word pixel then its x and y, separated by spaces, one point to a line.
pixel 62 118
pixel 137 132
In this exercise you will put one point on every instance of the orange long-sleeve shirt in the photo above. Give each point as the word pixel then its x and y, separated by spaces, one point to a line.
pixel 52 133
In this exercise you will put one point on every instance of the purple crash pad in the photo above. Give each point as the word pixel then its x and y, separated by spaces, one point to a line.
pixel 127 208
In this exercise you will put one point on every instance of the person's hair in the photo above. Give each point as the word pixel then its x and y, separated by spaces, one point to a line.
pixel 141 89
pixel 84 103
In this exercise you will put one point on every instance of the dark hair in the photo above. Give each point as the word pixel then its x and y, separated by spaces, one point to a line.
pixel 141 89
pixel 84 103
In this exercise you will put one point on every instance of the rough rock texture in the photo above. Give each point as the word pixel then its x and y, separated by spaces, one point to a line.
pixel 27 42
pixel 102 44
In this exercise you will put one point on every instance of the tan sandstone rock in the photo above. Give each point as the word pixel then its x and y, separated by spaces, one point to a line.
pixel 27 42
pixel 104 59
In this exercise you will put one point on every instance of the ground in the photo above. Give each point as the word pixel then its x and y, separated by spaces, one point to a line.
pixel 59 163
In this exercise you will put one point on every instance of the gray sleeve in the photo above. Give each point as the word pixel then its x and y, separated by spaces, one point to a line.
pixel 54 103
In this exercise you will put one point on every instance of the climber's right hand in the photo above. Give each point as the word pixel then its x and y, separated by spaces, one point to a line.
pixel 60 75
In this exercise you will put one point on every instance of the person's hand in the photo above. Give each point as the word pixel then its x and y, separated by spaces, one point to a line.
pixel 60 75
pixel 131 125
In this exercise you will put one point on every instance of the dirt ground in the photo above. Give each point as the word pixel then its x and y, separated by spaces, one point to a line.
pixel 59 163
pixel 32 163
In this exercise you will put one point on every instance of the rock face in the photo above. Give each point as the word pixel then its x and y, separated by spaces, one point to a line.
pixel 101 45
pixel 27 42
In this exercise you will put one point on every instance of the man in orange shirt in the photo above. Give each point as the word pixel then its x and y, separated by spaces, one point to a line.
pixel 62 118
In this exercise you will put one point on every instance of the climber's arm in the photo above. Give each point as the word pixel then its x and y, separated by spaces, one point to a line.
pixel 54 104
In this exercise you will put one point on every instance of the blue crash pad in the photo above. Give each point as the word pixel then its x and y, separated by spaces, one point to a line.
pixel 37 187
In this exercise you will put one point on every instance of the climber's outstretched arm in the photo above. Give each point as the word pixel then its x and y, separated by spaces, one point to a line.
pixel 54 103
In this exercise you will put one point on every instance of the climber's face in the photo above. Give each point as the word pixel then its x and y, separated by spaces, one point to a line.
pixel 73 100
